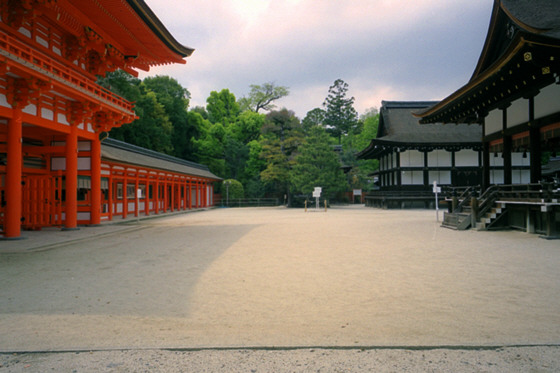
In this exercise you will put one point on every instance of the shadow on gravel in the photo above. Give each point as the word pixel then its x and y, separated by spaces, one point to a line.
pixel 147 272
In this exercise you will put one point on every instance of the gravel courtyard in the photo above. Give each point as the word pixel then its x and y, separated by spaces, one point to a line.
pixel 257 278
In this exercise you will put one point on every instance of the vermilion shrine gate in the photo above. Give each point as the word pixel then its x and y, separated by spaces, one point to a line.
pixel 52 113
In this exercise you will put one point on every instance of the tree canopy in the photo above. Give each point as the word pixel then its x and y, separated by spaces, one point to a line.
pixel 262 97
pixel 268 155
pixel 340 116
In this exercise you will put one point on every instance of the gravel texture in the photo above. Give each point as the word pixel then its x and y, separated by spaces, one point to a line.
pixel 275 289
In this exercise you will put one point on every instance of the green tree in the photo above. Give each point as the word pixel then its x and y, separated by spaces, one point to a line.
pixel 232 189
pixel 317 165
pixel 152 129
pixel 121 83
pixel 209 147
pixel 313 118
pixel 222 107
pixel 358 176
pixel 255 164
pixel 262 97
pixel 282 135
pixel 175 100
pixel 248 126
pixel 340 116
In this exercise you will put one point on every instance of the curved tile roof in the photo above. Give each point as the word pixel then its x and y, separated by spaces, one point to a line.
pixel 121 152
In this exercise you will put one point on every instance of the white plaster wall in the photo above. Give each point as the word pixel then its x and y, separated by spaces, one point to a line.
pixel 30 109
pixel 518 160
pixel 58 163
pixel 4 101
pixel 47 114
pixel 412 177
pixel 547 101
pixel 439 158
pixel 493 122
pixel 466 158
pixel 442 177
pixel 518 112
pixel 496 176
pixel 412 158
pixel 84 163
pixel 521 176
pixel 496 161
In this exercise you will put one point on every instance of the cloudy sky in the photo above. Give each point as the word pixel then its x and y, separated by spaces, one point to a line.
pixel 383 49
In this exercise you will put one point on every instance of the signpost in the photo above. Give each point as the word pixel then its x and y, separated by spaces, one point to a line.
pixel 436 190
pixel 317 194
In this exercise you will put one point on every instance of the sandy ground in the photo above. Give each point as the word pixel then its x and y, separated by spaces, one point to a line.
pixel 349 285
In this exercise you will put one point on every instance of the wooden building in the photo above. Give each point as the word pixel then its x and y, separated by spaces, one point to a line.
pixel 514 95
pixel 412 157
pixel 52 112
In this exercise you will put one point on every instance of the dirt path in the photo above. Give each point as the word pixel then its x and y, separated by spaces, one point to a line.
pixel 354 277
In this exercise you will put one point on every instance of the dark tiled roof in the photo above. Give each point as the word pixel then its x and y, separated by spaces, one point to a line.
pixel 397 124
pixel 399 128
pixel 535 16
pixel 121 152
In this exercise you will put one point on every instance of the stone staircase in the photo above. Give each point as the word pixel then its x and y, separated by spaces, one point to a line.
pixel 491 216
pixel 457 220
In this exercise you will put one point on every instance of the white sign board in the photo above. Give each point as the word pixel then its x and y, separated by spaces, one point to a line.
pixel 317 192
pixel 357 192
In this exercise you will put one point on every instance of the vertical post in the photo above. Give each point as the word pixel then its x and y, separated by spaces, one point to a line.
pixel 95 208
pixel 436 190
pixel 125 194
pixel 506 151
pixel 534 145
pixel 190 194
pixel 111 200
pixel 474 208
pixel 172 194
pixel 184 189
pixel 12 221
pixel 136 197
pixel 485 158
pixel 71 221
pixel 156 195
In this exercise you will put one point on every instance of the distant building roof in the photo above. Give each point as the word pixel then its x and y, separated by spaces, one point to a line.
pixel 399 128
pixel 122 152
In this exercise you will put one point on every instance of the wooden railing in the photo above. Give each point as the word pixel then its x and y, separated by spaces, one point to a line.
pixel 249 202
pixel 520 193
pixel 21 53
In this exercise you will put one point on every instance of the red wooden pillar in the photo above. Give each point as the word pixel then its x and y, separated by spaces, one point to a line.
pixel 184 193
pixel 95 208
pixel 165 194
pixel 71 221
pixel 12 219
pixel 125 194
pixel 147 196
pixel 172 196
pixel 203 194
pixel 197 194
pixel 156 195
pixel 190 194
pixel 111 191
pixel 136 201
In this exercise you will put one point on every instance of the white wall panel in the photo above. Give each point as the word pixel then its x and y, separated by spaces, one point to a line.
pixel 439 158
pixel 493 122
pixel 518 112
pixel 466 158
pixel 547 101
